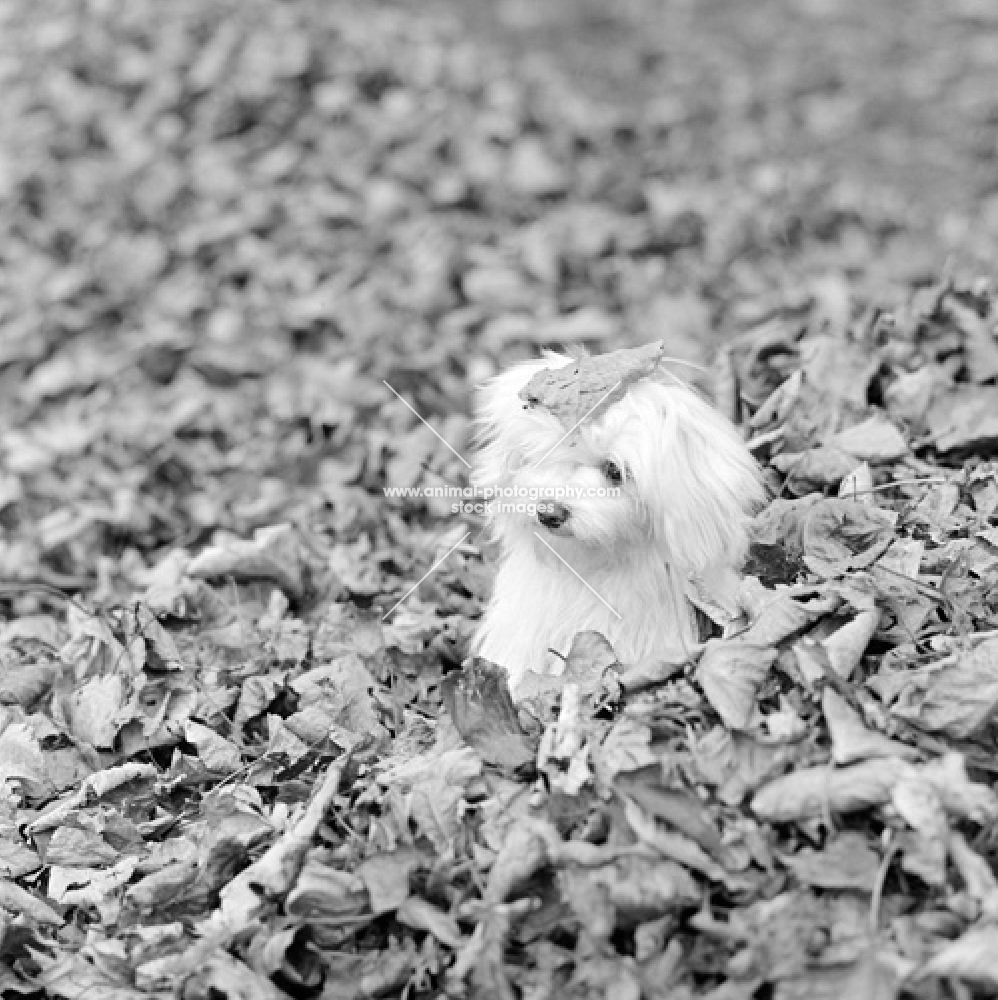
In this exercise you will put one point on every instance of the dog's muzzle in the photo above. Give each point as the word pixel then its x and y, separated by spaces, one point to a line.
pixel 554 518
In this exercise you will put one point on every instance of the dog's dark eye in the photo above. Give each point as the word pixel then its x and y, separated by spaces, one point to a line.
pixel 612 471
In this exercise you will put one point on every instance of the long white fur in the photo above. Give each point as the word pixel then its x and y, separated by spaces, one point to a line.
pixel 690 487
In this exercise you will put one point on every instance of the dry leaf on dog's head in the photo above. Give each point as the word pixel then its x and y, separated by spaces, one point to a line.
pixel 582 387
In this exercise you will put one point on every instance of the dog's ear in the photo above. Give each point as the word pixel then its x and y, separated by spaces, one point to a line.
pixel 705 483
pixel 491 468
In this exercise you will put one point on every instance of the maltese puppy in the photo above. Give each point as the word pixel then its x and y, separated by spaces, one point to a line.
pixel 606 526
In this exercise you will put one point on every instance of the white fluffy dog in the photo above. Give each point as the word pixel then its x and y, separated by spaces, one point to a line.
pixel 617 564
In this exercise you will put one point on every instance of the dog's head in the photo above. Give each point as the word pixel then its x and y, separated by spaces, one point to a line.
pixel 658 472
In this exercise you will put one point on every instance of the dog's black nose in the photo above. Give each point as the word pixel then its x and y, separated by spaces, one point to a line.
pixel 555 516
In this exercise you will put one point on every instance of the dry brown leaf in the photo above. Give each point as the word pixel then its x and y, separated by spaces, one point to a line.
pixel 957 697
pixel 972 956
pixel 960 796
pixel 386 876
pixel 524 854
pixel 731 672
pixel 851 740
pixel 842 535
pixel 586 386
pixel 965 418
pixel 677 808
pixel 779 614
pixel 847 862
pixel 18 900
pixel 671 844
pixel 876 439
pixel 482 710
pixel 815 468
pixel 917 803
pixel 245 561
pixel 828 791
pixel 641 888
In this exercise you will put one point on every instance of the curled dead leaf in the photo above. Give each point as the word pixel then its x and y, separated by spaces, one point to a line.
pixel 826 791
pixel 847 862
pixel 957 697
pixel 730 673
pixel 480 705
pixel 842 535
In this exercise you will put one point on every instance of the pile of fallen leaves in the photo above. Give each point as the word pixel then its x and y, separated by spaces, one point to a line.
pixel 239 245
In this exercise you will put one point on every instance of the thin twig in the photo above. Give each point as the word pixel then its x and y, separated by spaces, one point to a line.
pixel 928 481
pixel 878 888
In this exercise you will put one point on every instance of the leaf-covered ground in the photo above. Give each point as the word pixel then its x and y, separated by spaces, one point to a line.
pixel 240 243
